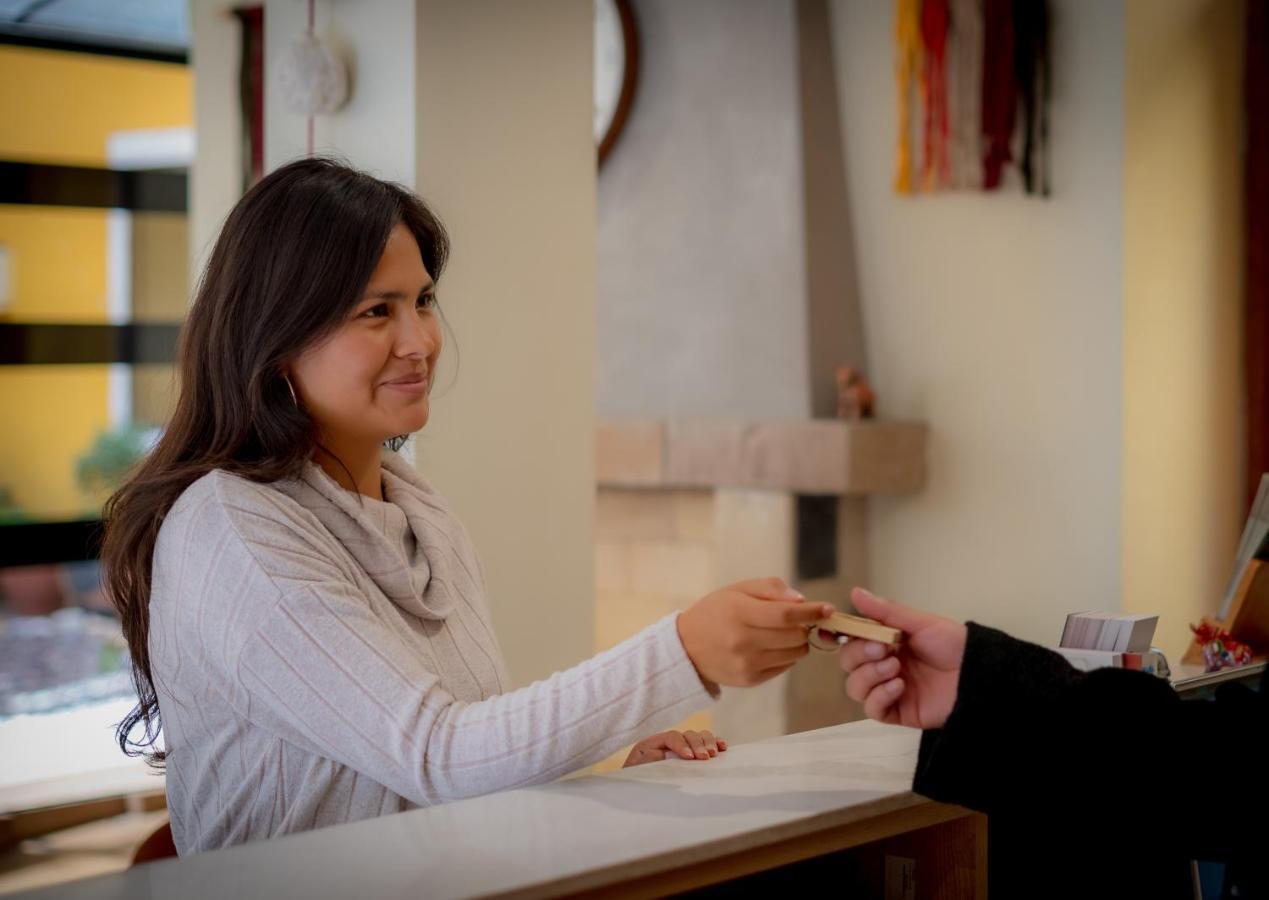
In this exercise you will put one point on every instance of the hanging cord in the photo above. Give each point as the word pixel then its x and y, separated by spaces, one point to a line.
pixel 310 35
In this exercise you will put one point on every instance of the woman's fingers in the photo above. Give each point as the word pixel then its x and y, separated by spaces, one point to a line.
pixel 868 676
pixel 769 589
pixel 697 742
pixel 768 674
pixel 711 742
pixel 785 655
pixel 785 614
pixel 676 743
pixel 683 744
pixel 783 638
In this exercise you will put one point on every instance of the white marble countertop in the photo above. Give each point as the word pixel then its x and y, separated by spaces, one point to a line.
pixel 581 833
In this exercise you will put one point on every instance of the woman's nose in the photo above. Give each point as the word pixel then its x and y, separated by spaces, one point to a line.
pixel 415 336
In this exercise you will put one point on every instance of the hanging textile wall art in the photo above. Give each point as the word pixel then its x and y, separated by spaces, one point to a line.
pixel 980 72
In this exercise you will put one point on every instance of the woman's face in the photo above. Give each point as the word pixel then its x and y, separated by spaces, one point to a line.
pixel 370 380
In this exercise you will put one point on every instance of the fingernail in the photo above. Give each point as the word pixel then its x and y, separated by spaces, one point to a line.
pixel 867 594
pixel 826 610
pixel 687 755
pixel 888 666
pixel 794 594
pixel 893 687
pixel 874 650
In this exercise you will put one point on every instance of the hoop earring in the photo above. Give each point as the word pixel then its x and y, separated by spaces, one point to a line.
pixel 294 399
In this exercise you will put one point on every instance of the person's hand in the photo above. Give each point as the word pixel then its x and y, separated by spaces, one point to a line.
pixel 686 744
pixel 749 632
pixel 916 686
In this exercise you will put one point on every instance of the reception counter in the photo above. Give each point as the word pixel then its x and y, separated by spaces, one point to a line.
pixel 837 799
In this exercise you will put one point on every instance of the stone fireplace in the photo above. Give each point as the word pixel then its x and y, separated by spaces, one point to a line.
pixel 685 506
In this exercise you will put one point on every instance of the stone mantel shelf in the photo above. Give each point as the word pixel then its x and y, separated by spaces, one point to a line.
pixel 809 456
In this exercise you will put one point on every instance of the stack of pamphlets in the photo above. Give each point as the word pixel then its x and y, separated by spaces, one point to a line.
pixel 1097 640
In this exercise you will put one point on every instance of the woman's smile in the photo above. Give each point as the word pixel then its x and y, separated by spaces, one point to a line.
pixel 413 383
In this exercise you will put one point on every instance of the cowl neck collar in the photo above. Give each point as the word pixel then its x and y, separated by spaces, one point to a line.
pixel 409 543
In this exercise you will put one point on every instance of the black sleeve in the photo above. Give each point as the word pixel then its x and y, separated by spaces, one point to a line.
pixel 1110 751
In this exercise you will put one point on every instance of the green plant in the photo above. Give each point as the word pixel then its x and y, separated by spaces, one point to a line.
pixel 106 462
pixel 10 512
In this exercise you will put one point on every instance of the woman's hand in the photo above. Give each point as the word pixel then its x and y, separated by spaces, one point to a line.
pixel 748 632
pixel 686 744
pixel 916 686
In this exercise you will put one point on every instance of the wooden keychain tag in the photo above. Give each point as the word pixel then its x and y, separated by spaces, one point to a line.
pixel 859 627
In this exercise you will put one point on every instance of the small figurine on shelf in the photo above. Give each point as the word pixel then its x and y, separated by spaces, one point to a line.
pixel 855 396
pixel 1220 650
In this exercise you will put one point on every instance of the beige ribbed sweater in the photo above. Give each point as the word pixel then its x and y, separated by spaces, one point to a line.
pixel 321 657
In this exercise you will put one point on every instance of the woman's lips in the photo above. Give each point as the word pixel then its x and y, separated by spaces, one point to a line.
pixel 410 384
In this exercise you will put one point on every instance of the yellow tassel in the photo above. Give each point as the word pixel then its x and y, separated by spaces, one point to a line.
pixel 907 38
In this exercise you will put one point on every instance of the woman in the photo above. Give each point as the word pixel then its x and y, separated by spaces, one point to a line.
pixel 1096 784
pixel 306 618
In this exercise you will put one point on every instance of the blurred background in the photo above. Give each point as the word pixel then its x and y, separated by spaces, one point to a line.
pixel 676 223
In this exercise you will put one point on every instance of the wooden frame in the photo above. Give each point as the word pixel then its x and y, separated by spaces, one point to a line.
pixel 931 827
pixel 630 37
pixel 1248 617
pixel 20 826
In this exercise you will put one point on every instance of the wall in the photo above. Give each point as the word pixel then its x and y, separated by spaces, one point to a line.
pixel 376 126
pixel 701 269
pixel 505 154
pixel 999 321
pixel 215 178
pixel 1183 301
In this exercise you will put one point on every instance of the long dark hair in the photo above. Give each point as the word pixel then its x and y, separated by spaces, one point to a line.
pixel 293 258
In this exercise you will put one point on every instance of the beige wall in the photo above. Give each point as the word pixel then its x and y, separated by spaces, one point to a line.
pixel 1182 392
pixel 215 179
pixel 998 320
pixel 506 156
pixel 499 142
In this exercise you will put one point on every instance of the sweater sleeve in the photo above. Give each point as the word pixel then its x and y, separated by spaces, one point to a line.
pixel 1103 750
pixel 319 669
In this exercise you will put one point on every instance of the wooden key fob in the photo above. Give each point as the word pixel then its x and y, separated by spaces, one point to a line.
pixel 859 627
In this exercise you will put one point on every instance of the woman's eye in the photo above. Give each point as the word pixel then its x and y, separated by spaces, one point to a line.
pixel 427 301
pixel 378 311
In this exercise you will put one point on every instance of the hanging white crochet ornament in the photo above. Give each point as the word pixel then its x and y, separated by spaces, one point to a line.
pixel 313 79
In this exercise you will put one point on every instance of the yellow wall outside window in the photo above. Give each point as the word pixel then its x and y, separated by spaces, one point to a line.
pixel 57 263
pixel 61 107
